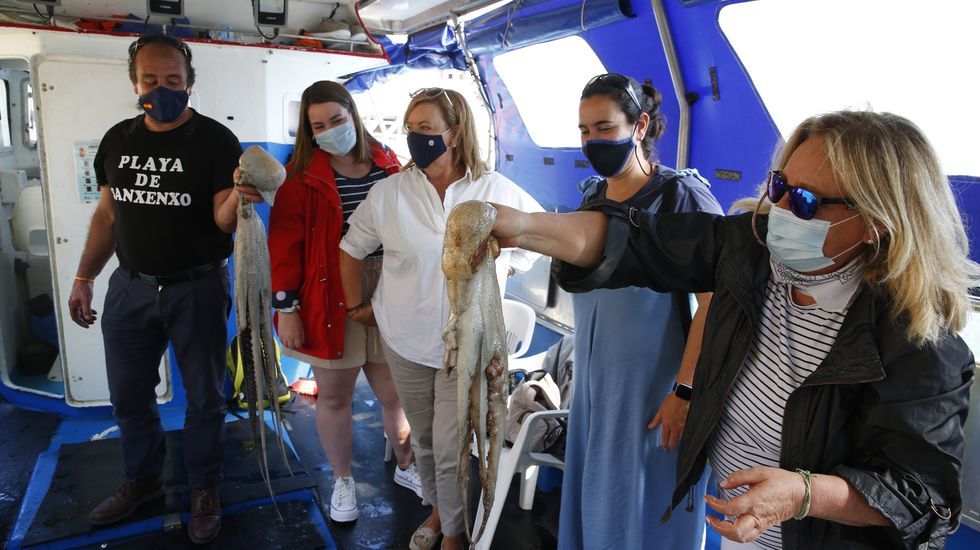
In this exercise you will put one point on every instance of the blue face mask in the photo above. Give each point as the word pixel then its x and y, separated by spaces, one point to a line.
pixel 608 157
pixel 163 104
pixel 797 243
pixel 425 149
pixel 338 140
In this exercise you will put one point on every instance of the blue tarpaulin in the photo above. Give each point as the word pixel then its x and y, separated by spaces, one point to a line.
pixel 513 26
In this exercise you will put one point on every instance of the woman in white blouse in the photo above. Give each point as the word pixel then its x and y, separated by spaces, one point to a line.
pixel 406 213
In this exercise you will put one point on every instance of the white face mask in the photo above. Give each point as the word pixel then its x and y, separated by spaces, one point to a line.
pixel 798 243
pixel 338 140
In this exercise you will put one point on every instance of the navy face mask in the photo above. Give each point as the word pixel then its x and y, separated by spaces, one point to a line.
pixel 425 149
pixel 608 157
pixel 163 104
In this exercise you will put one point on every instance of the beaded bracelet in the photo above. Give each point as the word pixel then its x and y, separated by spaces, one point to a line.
pixel 805 508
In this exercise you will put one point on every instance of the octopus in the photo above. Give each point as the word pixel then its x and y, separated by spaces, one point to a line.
pixel 253 304
pixel 476 345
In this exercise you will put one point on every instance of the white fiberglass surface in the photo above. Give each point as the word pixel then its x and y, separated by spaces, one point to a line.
pixel 916 59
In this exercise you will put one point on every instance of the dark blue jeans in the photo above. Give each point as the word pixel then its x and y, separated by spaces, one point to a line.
pixel 137 322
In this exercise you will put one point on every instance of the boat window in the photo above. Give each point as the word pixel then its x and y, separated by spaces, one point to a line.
pixel 29 118
pixel 546 82
pixel 812 56
pixel 4 114
pixel 383 106
pixel 291 118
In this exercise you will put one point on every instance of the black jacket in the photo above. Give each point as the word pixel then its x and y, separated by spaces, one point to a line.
pixel 879 412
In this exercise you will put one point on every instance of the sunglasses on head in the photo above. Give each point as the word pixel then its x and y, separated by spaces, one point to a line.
pixel 616 81
pixel 431 93
pixel 803 203
pixel 148 39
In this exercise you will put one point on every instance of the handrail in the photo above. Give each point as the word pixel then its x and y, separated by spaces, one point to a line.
pixel 684 125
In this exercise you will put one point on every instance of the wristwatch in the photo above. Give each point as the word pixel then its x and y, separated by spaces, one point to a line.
pixel 683 391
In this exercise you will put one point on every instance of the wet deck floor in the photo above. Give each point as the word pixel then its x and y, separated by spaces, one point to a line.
pixel 388 513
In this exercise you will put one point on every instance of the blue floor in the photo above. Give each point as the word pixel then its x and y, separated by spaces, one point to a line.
pixel 964 538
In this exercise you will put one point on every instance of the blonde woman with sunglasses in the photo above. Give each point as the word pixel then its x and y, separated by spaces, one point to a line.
pixel 832 388
pixel 406 214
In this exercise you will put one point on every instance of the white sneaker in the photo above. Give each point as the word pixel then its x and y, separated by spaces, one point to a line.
pixel 409 479
pixel 343 502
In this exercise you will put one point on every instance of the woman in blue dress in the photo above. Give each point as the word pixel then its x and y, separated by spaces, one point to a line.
pixel 635 349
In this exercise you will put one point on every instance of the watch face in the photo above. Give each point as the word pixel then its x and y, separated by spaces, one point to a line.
pixel 683 391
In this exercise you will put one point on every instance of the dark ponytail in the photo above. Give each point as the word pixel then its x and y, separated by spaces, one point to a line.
pixel 651 103
pixel 613 87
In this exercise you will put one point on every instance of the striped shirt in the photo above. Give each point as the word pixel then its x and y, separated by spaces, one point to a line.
pixel 790 343
pixel 353 191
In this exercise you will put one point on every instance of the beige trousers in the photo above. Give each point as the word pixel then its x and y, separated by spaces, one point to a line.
pixel 428 397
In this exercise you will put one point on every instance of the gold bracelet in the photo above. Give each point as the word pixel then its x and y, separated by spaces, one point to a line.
pixel 85 279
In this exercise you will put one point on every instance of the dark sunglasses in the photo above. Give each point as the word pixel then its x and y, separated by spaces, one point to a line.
pixel 616 81
pixel 802 202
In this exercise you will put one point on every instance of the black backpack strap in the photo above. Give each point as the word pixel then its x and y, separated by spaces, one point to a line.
pixel 617 237
pixel 668 196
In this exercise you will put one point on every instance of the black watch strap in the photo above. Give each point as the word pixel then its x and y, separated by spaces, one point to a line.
pixel 683 391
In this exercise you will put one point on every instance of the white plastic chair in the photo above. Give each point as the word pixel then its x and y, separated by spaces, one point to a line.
pixel 519 323
pixel 516 460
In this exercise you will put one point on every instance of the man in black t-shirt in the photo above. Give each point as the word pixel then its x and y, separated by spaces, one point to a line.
pixel 167 209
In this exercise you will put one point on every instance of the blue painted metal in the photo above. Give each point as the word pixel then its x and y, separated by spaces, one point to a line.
pixel 542 339
pixel 301 495
pixel 963 539
pixel 34 402
pixel 316 514
pixel 967 192
pixel 34 495
pixel 734 133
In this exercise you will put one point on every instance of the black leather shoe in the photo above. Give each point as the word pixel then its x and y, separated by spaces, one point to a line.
pixel 205 515
pixel 125 501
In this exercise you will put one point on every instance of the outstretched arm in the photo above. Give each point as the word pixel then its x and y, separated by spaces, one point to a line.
pixel 576 238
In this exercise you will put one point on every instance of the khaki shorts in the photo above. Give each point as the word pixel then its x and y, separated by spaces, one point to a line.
pixel 362 344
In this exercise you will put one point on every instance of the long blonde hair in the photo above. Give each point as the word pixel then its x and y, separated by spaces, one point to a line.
pixel 456 112
pixel 920 257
